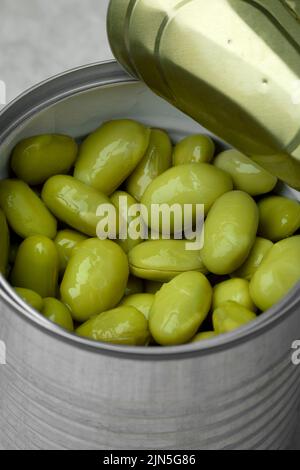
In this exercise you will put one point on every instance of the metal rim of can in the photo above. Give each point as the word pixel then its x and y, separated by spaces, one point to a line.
pixel 39 98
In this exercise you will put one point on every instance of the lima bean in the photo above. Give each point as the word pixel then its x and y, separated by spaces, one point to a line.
pixel 279 217
pixel 66 241
pixel 230 232
pixel 278 273
pixel 186 184
pixel 25 212
pixel 156 161
pixel 95 279
pixel 142 302
pixel 179 309
pixel 162 260
pixel 123 325
pixel 36 266
pixel 194 149
pixel 234 289
pixel 74 203
pixel 247 175
pixel 58 313
pixel 111 153
pixel 259 250
pixel 37 158
pixel 30 297
pixel 230 316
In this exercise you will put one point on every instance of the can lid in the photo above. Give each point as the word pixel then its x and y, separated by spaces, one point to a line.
pixel 232 66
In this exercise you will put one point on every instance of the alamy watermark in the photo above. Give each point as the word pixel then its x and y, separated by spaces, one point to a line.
pixel 160 222
pixel 296 352
pixel 2 353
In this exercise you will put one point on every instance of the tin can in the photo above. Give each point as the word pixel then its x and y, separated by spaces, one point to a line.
pixel 60 391
pixel 234 66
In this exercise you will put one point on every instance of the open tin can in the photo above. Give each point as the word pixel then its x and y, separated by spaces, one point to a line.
pixel 233 65
pixel 60 391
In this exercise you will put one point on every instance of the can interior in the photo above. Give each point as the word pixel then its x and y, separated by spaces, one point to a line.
pixel 79 114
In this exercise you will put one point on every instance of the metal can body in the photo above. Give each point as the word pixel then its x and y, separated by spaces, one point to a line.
pixel 233 66
pixel 238 391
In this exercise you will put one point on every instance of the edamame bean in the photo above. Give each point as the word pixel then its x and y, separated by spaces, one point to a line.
pixel 234 289
pixel 123 325
pixel 142 302
pixel 194 149
pixel 111 153
pixel 123 202
pixel 4 243
pixel 179 309
pixel 74 203
pixel 185 184
pixel 156 161
pixel 95 278
pixel 230 316
pixel 66 241
pixel 162 260
pixel 134 286
pixel 230 232
pixel 259 250
pixel 278 273
pixel 247 175
pixel 25 212
pixel 36 266
pixel 151 287
pixel 204 336
pixel 279 217
pixel 58 313
pixel 37 158
pixel 30 297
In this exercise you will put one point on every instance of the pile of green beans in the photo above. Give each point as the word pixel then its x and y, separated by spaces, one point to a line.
pixel 135 291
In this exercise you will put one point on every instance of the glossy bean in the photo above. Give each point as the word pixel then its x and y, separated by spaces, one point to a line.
pixel 36 266
pixel 123 325
pixel 234 289
pixel 74 203
pixel 37 158
pixel 279 217
pixel 185 184
pixel 231 316
pixel 111 153
pixel 259 250
pixel 157 160
pixel 30 297
pixel 179 309
pixel 95 279
pixel 278 273
pixel 142 302
pixel 123 202
pixel 26 213
pixel 247 175
pixel 66 241
pixel 230 232
pixel 162 260
pixel 194 149
pixel 58 313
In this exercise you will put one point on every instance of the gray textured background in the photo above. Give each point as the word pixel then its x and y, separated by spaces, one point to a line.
pixel 40 38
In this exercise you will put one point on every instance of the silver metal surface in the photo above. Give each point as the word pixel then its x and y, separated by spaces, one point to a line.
pixel 59 391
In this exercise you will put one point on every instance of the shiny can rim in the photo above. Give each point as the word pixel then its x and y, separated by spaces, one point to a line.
pixel 40 97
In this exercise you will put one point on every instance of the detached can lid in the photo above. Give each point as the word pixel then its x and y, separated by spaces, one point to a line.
pixel 232 66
